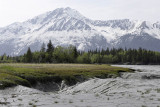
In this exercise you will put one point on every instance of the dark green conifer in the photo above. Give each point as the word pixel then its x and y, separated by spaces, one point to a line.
pixel 50 47
pixel 29 56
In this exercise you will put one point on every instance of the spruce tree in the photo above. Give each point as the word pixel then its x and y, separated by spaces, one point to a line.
pixel 75 52
pixel 50 47
pixel 29 55
pixel 42 53
pixel 43 48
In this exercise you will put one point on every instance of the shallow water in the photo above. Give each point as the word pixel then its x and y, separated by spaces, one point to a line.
pixel 131 90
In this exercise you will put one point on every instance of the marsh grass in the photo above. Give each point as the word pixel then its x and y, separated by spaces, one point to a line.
pixel 30 74
pixel 158 90
pixel 30 103
pixel 56 102
pixel 70 101
pixel 4 103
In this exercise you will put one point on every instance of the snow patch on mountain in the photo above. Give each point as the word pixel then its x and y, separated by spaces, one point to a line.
pixel 66 26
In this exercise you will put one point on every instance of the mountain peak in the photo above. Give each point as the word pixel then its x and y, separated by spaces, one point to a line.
pixel 69 12
pixel 57 14
pixel 68 8
pixel 146 25
pixel 66 26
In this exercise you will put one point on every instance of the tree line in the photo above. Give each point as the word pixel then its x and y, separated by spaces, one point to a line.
pixel 70 54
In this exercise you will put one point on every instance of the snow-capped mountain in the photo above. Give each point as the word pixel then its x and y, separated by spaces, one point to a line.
pixel 66 26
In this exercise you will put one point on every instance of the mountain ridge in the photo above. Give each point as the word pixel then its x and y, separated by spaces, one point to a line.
pixel 66 26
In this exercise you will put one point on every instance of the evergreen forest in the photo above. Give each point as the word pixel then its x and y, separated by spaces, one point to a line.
pixel 70 54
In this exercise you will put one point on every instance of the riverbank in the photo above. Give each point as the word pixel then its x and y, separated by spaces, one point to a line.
pixel 128 90
pixel 32 74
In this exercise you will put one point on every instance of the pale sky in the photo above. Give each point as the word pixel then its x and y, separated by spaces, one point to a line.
pixel 20 10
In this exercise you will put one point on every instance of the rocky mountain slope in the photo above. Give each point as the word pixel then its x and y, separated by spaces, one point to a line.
pixel 66 26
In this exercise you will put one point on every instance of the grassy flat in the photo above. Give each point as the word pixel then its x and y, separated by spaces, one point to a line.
pixel 30 74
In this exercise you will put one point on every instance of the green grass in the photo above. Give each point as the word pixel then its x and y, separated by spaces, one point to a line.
pixel 30 74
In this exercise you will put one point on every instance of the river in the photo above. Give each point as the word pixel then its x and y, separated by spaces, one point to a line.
pixel 139 89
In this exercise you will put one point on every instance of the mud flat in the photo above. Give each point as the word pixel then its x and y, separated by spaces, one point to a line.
pixel 42 75
pixel 96 86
